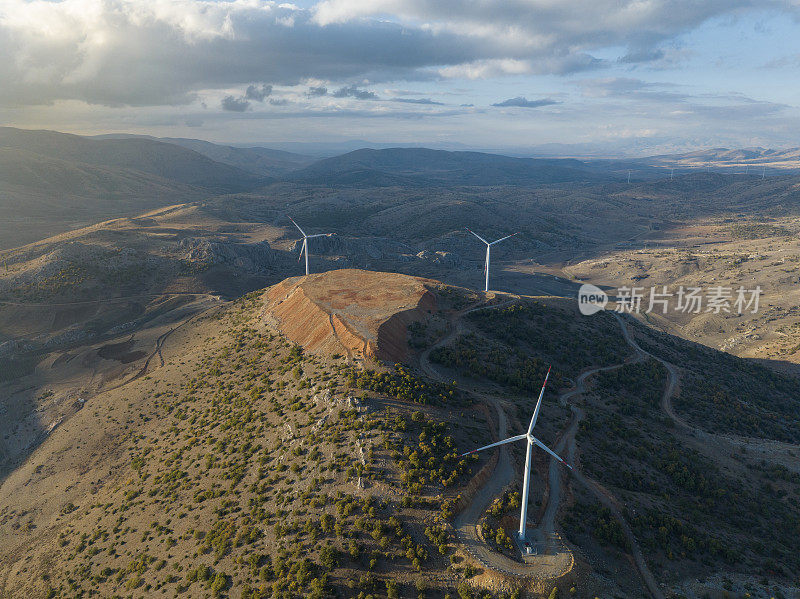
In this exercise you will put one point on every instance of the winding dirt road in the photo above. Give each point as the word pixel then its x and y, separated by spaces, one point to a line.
pixel 552 563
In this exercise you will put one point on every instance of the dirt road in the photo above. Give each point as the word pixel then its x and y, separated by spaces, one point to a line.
pixel 553 563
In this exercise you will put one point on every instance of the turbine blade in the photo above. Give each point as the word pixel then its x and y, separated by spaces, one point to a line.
pixel 504 238
pixel 539 402
pixel 298 226
pixel 503 442
pixel 303 248
pixel 552 453
pixel 476 235
pixel 319 235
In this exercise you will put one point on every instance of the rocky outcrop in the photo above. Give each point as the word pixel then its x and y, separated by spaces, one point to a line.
pixel 361 313
pixel 250 257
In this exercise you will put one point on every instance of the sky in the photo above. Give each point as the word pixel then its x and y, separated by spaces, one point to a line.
pixel 541 76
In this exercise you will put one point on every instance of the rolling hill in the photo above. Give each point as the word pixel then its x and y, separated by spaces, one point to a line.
pixel 422 166
pixel 51 182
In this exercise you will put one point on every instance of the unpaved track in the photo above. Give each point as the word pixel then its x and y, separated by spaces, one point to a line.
pixel 547 567
pixel 108 300
pixel 778 452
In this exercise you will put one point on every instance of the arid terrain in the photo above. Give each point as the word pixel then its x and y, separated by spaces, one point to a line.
pixel 184 414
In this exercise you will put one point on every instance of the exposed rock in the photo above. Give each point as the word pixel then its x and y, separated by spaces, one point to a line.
pixel 251 257
pixel 448 259
pixel 8 347
pixel 364 314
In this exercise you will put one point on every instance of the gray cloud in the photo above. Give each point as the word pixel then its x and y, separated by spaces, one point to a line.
pixel 257 93
pixel 427 101
pixel 201 45
pixel 525 103
pixel 162 53
pixel 643 55
pixel 351 91
pixel 315 92
pixel 232 104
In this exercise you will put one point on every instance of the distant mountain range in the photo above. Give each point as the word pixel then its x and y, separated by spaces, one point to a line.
pixel 51 182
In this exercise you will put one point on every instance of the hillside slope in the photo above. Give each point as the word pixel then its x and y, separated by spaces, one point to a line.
pixel 153 157
pixel 244 465
pixel 52 182
pixel 422 166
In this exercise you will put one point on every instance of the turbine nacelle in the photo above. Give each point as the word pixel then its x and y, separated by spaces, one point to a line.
pixel 489 245
pixel 304 247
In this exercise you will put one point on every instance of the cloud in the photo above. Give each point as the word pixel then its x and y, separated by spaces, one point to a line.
pixel 352 91
pixel 171 52
pixel 315 92
pixel 233 104
pixel 257 93
pixel 553 34
pixel 525 103
pixel 418 101
pixel 643 55
pixel 631 89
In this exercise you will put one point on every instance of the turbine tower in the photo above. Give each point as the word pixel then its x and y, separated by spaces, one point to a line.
pixel 523 518
pixel 488 252
pixel 763 172
pixel 629 176
pixel 672 174
pixel 304 248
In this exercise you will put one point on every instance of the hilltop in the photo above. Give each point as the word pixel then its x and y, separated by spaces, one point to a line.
pixel 359 313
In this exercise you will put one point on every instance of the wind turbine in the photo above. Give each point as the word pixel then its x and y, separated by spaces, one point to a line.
pixel 304 249
pixel 629 176
pixel 763 172
pixel 672 174
pixel 523 518
pixel 488 252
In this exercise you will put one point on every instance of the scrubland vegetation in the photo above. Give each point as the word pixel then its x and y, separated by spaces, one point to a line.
pixel 263 479
pixel 687 512
pixel 514 346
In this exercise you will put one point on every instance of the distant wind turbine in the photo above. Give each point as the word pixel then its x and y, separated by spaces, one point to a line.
pixel 763 172
pixel 523 518
pixel 304 249
pixel 629 176
pixel 672 174
pixel 488 252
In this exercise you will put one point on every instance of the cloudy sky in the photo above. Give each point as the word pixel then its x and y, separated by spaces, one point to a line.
pixel 616 75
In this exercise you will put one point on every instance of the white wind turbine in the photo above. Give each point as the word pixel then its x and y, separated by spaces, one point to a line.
pixel 489 245
pixel 304 249
pixel 523 518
